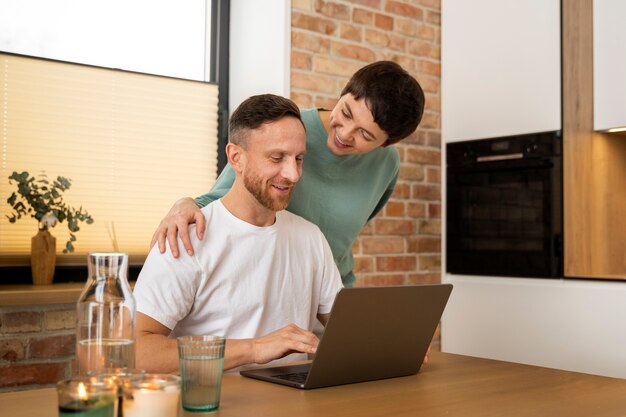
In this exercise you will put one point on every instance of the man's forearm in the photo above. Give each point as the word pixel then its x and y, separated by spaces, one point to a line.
pixel 156 353
pixel 238 352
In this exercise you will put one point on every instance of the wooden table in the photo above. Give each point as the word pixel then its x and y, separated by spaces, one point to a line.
pixel 449 385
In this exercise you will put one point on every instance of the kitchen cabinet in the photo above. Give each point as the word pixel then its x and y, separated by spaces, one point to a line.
pixel 488 91
pixel 609 65
pixel 501 68
pixel 536 321
pixel 594 163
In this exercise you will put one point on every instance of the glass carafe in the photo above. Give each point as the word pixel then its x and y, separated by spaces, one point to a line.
pixel 105 315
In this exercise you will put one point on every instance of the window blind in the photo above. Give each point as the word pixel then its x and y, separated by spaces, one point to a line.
pixel 130 143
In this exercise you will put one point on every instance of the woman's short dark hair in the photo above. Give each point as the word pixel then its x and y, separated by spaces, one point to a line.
pixel 394 97
pixel 256 110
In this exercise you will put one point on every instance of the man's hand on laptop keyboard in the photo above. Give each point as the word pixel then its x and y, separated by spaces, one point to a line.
pixel 282 342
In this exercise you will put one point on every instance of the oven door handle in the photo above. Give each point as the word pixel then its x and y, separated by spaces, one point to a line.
pixel 503 157
pixel 504 165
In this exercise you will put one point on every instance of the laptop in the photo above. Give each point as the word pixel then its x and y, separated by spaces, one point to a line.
pixel 373 333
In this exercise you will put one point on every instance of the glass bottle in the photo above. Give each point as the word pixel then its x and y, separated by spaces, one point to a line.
pixel 105 315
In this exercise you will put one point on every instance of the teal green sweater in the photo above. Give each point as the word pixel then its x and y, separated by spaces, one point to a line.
pixel 340 194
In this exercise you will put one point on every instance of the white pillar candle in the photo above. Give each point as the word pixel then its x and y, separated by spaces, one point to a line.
pixel 154 396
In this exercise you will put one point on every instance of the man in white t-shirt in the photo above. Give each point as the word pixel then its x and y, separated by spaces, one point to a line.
pixel 261 276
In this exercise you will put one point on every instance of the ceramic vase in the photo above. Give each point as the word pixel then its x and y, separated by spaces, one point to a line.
pixel 43 257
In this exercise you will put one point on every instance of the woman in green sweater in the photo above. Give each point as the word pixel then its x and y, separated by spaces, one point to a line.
pixel 350 170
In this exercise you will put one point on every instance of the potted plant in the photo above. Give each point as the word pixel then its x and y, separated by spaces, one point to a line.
pixel 42 199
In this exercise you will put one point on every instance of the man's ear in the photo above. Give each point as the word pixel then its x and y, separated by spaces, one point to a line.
pixel 236 156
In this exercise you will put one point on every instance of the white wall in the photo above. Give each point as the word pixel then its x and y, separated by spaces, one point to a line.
pixel 577 325
pixel 260 44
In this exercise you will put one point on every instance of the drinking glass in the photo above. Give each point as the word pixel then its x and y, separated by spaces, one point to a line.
pixel 201 360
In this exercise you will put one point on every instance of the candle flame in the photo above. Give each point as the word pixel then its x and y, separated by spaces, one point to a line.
pixel 82 392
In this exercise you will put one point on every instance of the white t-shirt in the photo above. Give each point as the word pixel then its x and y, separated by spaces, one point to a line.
pixel 243 281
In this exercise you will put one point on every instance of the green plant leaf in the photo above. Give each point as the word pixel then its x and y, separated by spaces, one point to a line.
pixel 38 196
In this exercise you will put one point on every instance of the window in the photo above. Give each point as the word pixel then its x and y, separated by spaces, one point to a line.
pixel 132 143
pixel 162 37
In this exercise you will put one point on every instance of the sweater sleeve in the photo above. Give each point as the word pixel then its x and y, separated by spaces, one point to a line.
pixel 387 194
pixel 219 189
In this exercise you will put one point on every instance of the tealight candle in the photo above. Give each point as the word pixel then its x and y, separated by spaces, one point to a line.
pixel 152 395
pixel 87 397
pixel 119 376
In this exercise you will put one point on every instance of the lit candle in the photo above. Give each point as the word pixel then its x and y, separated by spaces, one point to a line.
pixel 153 395
pixel 86 397
pixel 119 376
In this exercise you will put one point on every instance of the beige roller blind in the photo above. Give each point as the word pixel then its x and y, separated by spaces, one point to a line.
pixel 130 143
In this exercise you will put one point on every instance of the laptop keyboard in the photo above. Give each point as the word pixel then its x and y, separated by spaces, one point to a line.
pixel 299 377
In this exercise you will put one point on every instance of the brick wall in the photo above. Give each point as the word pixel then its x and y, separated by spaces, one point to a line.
pixel 330 40
pixel 37 345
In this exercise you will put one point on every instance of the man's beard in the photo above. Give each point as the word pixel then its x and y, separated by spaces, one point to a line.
pixel 255 186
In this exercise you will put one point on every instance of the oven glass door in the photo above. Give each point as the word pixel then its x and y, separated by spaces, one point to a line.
pixel 505 218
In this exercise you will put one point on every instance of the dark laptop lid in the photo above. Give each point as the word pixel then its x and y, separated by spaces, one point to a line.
pixel 374 333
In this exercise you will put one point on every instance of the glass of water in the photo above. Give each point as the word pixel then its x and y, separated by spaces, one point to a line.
pixel 201 360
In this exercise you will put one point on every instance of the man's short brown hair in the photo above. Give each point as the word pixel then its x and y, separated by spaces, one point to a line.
pixel 256 110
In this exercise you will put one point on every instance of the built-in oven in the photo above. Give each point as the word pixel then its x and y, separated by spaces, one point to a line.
pixel 504 204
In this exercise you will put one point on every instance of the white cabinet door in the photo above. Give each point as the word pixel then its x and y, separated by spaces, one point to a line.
pixel 609 64
pixel 501 68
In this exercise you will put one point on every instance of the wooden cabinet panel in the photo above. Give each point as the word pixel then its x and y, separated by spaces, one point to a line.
pixel 594 163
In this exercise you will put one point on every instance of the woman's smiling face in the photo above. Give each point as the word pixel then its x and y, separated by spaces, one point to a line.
pixel 353 129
